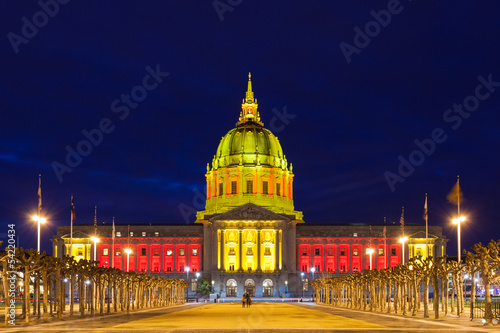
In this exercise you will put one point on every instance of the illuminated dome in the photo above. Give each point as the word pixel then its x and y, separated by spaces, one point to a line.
pixel 249 144
pixel 249 167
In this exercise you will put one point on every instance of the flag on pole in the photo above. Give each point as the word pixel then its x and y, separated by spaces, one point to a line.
pixel 71 231
pixel 455 196
pixel 113 245
pixel 95 220
pixel 402 219
pixel 113 230
pixel 39 193
pixel 425 208
pixel 426 218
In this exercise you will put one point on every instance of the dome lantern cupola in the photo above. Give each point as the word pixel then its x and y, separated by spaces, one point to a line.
pixel 249 106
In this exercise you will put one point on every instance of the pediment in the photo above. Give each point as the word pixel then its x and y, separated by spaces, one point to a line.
pixel 421 234
pixel 77 234
pixel 250 211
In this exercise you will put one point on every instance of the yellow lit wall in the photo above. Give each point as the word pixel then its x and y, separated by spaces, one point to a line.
pixel 231 250
pixel 417 247
pixel 267 250
pixel 249 248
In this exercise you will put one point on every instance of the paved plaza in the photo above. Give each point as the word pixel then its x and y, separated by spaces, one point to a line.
pixel 260 317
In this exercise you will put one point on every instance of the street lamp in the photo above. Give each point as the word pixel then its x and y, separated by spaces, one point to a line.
pixel 370 252
pixel 128 252
pixel 286 287
pixel 312 271
pixel 457 221
pixel 213 287
pixel 95 240
pixel 402 240
pixel 187 269
pixel 302 276
pixel 39 219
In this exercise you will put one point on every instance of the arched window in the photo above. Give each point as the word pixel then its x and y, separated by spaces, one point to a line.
pixel 267 288
pixel 250 287
pixel 231 286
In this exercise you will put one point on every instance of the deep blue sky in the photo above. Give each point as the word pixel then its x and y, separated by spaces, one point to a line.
pixel 352 120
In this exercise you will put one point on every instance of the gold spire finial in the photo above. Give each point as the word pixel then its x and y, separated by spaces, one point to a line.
pixel 249 97
pixel 249 106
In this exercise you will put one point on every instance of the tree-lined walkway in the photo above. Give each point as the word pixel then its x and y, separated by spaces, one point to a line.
pixel 260 317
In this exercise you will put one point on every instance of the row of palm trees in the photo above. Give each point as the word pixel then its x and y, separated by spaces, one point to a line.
pixel 97 289
pixel 398 289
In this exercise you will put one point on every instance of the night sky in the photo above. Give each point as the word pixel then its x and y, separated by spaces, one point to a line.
pixel 357 88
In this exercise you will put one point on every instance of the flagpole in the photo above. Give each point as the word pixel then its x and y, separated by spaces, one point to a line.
pixel 385 244
pixel 113 245
pixel 39 208
pixel 71 231
pixel 426 227
pixel 458 216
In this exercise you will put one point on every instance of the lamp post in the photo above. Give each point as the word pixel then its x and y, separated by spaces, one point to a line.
pixel 213 287
pixel 286 286
pixel 302 276
pixel 312 271
pixel 457 221
pixel 39 219
pixel 370 252
pixel 402 240
pixel 128 252
pixel 95 240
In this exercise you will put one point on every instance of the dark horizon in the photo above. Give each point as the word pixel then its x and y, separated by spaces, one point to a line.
pixel 348 108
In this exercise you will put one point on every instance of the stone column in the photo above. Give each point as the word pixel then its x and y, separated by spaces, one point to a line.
pixel 162 257
pixel 349 261
pixel 291 248
pixel 174 270
pixel 148 267
pixel 324 255
pixel 222 264
pixel 258 251
pixel 241 249
pixel 336 249
pixel 277 250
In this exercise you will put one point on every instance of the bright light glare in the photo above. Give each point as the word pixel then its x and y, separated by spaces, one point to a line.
pixel 186 269
pixel 128 251
pixel 369 251
pixel 403 239
pixel 94 239
pixel 313 269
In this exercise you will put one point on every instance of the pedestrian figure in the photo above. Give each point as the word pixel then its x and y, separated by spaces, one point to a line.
pixel 249 300
pixel 244 299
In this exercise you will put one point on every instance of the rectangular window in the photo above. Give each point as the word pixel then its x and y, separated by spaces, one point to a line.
pixel 80 252
pixel 157 233
pixel 380 251
pixel 231 251
pixel 267 251
pixel 249 186
pixel 278 190
pixel 156 251
pixel 355 252
pixel 169 252
pixel 265 187
pixel 234 187
pixel 304 251
pixel 221 189
pixel 249 251
pixel 181 251
pixel 342 252
pixel 231 267
pixel 393 251
pixel 194 252
pixel 143 251
pixel 143 234
pixel 316 251
pixel 131 234
pixel 118 252
pixel 305 285
pixel 194 284
pixel 329 251
pixel 355 234
pixel 105 251
pixel 118 234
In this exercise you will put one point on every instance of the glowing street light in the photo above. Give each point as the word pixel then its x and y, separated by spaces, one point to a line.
pixel 38 219
pixel 312 271
pixel 213 287
pixel 187 269
pixel 286 286
pixel 128 252
pixel 302 276
pixel 402 240
pixel 95 240
pixel 457 221
pixel 370 252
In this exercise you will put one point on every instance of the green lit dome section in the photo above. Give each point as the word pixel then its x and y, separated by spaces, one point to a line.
pixel 249 167
pixel 249 144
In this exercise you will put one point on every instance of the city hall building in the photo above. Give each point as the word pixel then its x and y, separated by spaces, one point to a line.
pixel 249 238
